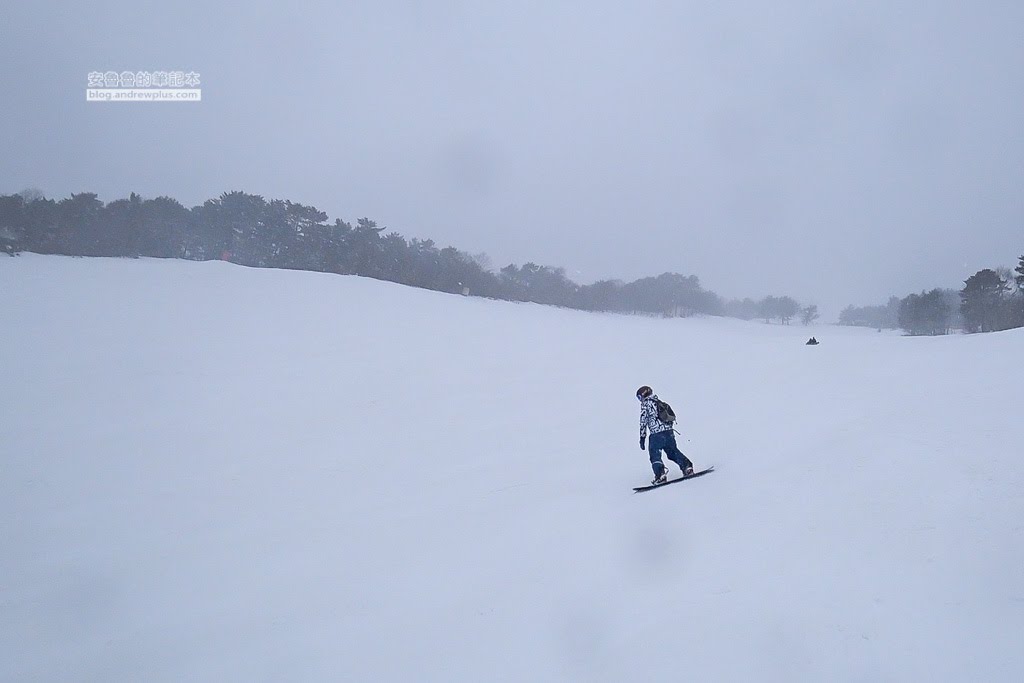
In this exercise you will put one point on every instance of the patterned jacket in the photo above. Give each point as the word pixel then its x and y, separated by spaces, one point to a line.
pixel 649 417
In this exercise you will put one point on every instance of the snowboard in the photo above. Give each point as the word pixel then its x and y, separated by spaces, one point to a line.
pixel 638 489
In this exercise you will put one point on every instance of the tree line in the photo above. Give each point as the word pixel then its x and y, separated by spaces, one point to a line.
pixel 781 308
pixel 249 230
pixel 991 300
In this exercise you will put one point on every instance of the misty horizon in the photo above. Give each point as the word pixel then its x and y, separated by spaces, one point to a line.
pixel 840 155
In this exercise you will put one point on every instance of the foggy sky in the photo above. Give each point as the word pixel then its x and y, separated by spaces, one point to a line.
pixel 837 152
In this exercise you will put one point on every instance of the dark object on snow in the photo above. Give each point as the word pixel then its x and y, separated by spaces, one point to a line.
pixel 811 342
pixel 638 489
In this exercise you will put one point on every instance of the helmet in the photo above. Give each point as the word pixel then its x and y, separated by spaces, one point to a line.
pixel 643 392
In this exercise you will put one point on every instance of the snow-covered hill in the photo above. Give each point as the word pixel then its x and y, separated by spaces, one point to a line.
pixel 212 473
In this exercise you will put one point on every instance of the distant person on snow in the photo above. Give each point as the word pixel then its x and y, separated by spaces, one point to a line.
pixel 657 417
pixel 812 342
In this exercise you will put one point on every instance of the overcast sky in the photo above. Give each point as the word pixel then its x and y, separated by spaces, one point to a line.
pixel 838 152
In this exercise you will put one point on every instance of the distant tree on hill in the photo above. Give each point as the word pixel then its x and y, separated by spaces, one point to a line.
pixel 122 221
pixel 862 316
pixel 668 294
pixel 482 259
pixel 168 230
pixel 250 230
pixel 232 224
pixel 925 313
pixel 1017 306
pixel 783 308
pixel 12 222
pixel 745 309
pixel 983 302
pixel 952 298
pixel 31 194
pixel 788 308
pixel 604 295
pixel 42 232
pixel 297 235
pixel 79 226
pixel 881 317
pixel 768 308
pixel 911 319
pixel 808 314
pixel 539 284
pixel 361 249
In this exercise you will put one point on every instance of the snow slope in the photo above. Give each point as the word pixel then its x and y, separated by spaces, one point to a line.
pixel 212 473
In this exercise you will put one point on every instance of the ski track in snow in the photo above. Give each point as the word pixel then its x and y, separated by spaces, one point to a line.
pixel 214 473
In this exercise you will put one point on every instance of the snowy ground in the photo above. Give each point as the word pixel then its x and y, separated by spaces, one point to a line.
pixel 212 473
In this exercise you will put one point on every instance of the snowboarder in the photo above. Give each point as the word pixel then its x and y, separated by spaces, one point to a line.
pixel 662 437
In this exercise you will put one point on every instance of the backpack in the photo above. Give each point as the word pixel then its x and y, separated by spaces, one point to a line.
pixel 665 412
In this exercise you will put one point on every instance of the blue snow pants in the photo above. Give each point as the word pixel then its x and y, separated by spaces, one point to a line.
pixel 665 441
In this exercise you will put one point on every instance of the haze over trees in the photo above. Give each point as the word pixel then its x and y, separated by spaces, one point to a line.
pixel 782 308
pixel 808 314
pixel 881 317
pixel 249 230
pixel 990 300
pixel 925 313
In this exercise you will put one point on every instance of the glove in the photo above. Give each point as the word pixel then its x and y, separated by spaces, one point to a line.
pixel 643 442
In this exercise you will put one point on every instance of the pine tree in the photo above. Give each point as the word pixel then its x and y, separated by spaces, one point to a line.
pixel 1017 303
pixel 982 302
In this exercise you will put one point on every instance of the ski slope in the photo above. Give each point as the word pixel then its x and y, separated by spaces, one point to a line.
pixel 213 473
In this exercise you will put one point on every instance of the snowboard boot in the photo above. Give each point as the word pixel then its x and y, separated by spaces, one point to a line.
pixel 688 471
pixel 660 478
